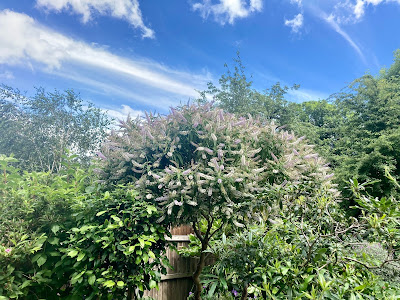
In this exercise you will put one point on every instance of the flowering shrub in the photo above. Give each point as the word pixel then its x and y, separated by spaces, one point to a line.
pixel 200 164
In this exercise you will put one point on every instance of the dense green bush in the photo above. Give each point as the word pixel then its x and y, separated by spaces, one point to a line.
pixel 310 249
pixel 63 237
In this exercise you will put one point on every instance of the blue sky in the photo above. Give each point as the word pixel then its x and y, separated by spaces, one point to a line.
pixel 133 55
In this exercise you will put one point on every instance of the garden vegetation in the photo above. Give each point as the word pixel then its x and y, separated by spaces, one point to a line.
pixel 291 201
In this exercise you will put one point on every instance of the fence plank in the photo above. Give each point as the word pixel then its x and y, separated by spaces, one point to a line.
pixel 177 283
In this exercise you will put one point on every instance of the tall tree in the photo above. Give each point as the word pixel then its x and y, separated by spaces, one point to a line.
pixel 235 94
pixel 39 130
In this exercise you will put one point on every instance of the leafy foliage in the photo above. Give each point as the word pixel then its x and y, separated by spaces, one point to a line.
pixel 309 249
pixel 39 130
pixel 63 237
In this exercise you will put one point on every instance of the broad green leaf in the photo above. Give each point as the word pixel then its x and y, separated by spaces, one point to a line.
pixel 109 283
pixel 81 256
pixel 73 253
pixel 41 260
pixel 92 279
pixel 115 218
pixel 141 242
pixel 55 228
pixel 284 270
pixel 152 284
pixel 120 283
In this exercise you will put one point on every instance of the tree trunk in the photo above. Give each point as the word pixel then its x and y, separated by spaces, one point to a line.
pixel 244 292
pixel 264 294
pixel 199 269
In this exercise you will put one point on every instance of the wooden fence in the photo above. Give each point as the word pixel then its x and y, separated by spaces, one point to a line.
pixel 177 283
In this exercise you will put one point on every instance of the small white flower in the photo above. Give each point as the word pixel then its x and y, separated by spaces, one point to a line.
pixel 178 203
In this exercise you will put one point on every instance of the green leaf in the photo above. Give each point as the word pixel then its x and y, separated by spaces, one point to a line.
pixel 41 260
pixel 101 213
pixel 141 242
pixel 73 253
pixel 361 287
pixel 308 279
pixel 92 279
pixel 115 218
pixel 152 284
pixel 24 285
pixel 224 283
pixel 55 228
pixel 120 283
pixel 212 289
pixel 81 256
pixel 109 283
pixel 54 240
pixel 284 270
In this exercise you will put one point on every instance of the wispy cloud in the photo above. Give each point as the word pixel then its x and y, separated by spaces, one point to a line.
pixel 7 75
pixel 122 112
pixel 353 11
pixel 296 23
pixel 32 45
pixel 225 11
pixel 302 95
pixel 298 2
pixel 127 10
pixel 331 22
pixel 360 6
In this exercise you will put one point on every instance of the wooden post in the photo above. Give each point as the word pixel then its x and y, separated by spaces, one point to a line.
pixel 177 283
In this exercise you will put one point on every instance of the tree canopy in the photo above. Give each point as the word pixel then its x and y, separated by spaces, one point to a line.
pixel 39 130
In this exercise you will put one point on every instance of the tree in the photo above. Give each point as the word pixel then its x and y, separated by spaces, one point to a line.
pixel 204 166
pixel 236 95
pixel 39 130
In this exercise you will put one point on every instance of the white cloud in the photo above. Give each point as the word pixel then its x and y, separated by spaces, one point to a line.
pixel 227 10
pixel 352 11
pixel 31 44
pixel 298 2
pixel 122 112
pixel 296 23
pixel 127 10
